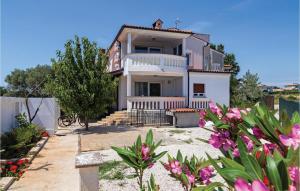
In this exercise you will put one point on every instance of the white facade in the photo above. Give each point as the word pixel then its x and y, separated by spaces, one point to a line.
pixel 163 68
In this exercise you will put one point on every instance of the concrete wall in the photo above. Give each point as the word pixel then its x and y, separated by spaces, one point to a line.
pixel 217 86
pixel 46 117
pixel 181 119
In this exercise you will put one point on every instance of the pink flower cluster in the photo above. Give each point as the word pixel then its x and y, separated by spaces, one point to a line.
pixel 222 140
pixel 293 139
pixel 215 109
pixel 145 152
pixel 294 173
pixel 205 174
pixel 177 169
pixel 249 143
pixel 174 167
pixel 242 185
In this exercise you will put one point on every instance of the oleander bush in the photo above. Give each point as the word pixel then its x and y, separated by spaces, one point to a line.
pixel 21 139
pixel 260 152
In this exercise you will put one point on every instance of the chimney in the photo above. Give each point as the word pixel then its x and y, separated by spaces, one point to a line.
pixel 157 24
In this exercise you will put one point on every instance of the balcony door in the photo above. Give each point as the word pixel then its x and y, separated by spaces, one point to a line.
pixel 154 89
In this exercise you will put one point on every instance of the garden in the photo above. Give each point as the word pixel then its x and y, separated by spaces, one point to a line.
pixel 256 151
pixel 16 144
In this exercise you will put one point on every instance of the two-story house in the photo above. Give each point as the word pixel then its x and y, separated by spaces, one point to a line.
pixel 161 68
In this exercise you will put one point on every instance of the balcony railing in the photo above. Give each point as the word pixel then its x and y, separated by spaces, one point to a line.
pixel 199 103
pixel 153 62
pixel 154 103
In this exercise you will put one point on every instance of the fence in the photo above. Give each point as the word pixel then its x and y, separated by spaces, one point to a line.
pixel 289 106
pixel 46 117
pixel 140 117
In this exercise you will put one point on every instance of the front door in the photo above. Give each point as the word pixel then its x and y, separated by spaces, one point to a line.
pixel 154 89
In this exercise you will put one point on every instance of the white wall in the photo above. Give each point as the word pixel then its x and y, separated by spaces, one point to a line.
pixel 195 47
pixel 217 86
pixel 46 117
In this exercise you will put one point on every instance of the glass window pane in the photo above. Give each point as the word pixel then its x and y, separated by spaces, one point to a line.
pixel 141 89
pixel 155 50
pixel 141 49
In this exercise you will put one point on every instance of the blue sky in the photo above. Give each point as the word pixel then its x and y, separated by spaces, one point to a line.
pixel 263 34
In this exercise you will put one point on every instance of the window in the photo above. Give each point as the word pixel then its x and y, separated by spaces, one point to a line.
pixel 141 89
pixel 180 50
pixel 154 89
pixel 199 90
pixel 175 50
pixel 141 49
pixel 154 50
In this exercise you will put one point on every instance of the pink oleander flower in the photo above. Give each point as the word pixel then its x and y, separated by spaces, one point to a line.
pixel 214 108
pixel 294 172
pixel 145 152
pixel 221 139
pixel 257 132
pixel 292 188
pixel 150 165
pixel 202 121
pixel 174 167
pixel 242 185
pixel 205 174
pixel 234 114
pixel 293 139
pixel 249 144
pixel 191 178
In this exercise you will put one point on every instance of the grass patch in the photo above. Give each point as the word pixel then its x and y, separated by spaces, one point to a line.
pixel 178 131
pixel 188 141
pixel 112 170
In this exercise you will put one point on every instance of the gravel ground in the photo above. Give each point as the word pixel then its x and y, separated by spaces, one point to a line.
pixel 172 141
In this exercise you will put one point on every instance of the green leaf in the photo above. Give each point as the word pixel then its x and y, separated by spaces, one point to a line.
pixel 128 161
pixel 295 118
pixel 139 143
pixel 185 179
pixel 232 174
pixel 273 174
pixel 179 156
pixel 231 163
pixel 123 151
pixel 157 157
pixel 149 138
pixel 251 165
pixel 209 187
pixel 284 176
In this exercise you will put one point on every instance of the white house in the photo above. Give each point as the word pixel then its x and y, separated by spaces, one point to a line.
pixel 161 68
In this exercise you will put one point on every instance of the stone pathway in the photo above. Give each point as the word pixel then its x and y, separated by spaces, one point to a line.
pixel 54 167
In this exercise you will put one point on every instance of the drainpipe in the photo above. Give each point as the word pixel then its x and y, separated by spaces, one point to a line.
pixel 188 83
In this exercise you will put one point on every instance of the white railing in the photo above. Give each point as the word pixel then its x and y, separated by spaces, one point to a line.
pixel 151 103
pixel 154 62
pixel 199 103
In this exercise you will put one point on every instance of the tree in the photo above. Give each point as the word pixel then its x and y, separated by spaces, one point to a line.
pixel 81 82
pixel 31 81
pixel 3 90
pixel 248 92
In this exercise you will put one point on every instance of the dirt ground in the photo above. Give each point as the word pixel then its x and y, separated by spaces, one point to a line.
pixel 102 138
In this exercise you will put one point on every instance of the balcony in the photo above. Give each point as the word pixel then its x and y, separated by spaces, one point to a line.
pixel 150 62
pixel 155 103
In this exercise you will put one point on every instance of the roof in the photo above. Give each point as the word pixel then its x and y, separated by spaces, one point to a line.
pixel 147 28
pixel 185 110
pixel 207 71
pixel 117 72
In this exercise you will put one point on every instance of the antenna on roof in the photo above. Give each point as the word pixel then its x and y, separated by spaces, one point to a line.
pixel 177 22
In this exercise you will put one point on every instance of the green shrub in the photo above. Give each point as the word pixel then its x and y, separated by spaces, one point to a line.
pixel 21 139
